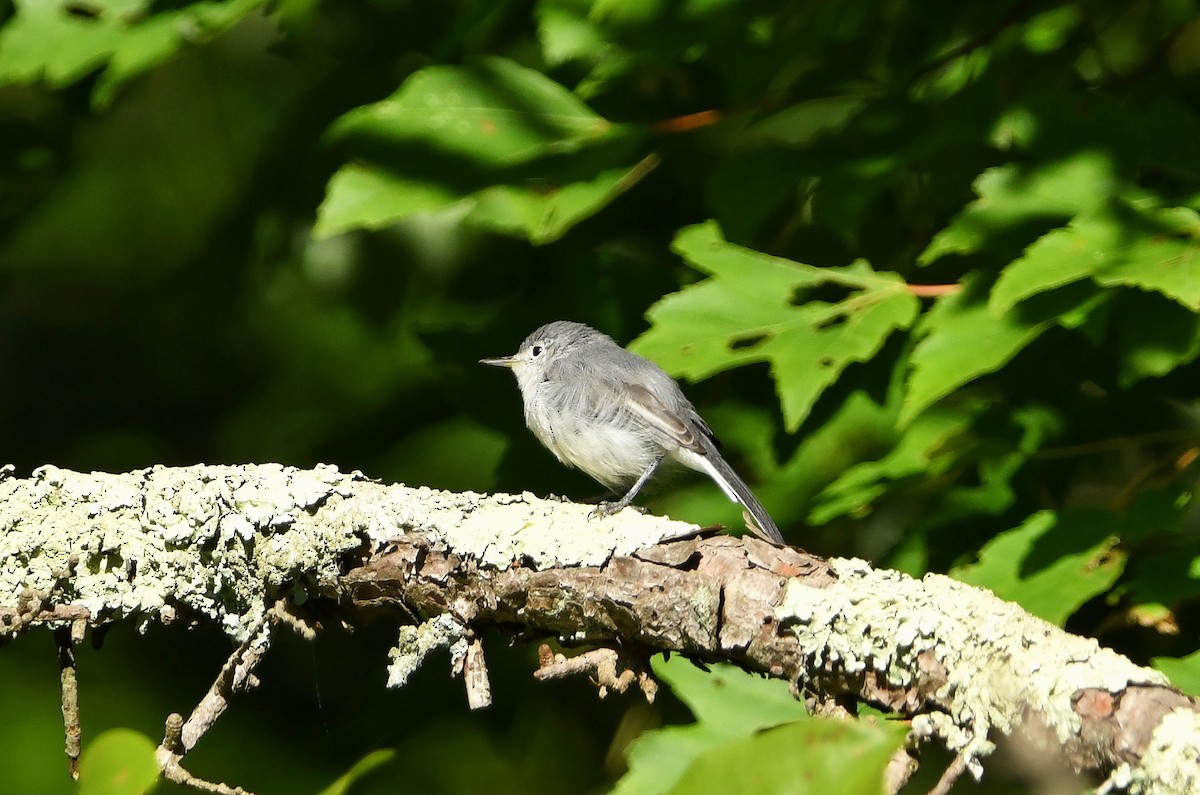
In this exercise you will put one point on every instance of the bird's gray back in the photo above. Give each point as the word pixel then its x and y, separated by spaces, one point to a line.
pixel 581 410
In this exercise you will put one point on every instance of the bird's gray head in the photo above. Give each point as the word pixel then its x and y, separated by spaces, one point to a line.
pixel 543 346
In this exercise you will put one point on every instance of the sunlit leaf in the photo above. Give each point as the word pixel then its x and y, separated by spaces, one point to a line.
pixel 961 340
pixel 1052 563
pixel 818 757
pixel 482 122
pixel 728 704
pixel 361 769
pixel 543 213
pixel 370 197
pixel 727 696
pixel 1049 30
pixel 42 41
pixel 926 448
pixel 1012 195
pixel 566 33
pixel 754 309
pixel 495 113
pixel 365 197
pixel 1184 672
pixel 1116 245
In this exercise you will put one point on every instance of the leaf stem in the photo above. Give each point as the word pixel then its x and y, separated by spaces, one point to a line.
pixel 933 290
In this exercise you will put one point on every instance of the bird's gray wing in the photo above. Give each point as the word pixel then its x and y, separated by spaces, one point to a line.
pixel 679 427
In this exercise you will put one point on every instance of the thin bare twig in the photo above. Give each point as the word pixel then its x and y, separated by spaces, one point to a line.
pixel 601 662
pixel 236 674
pixel 69 682
pixel 950 775
pixel 899 770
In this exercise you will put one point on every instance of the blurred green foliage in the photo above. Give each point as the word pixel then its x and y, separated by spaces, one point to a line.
pixel 964 241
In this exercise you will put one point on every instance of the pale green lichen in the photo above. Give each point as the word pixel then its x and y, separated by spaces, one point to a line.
pixel 1001 662
pixel 1171 762
pixel 224 541
pixel 503 529
pixel 211 539
pixel 415 643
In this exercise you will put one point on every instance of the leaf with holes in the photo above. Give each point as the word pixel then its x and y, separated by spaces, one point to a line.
pixel 757 308
pixel 63 43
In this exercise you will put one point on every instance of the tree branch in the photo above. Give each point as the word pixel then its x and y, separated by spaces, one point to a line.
pixel 224 543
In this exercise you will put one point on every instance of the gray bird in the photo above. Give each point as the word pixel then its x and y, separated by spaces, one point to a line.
pixel 617 416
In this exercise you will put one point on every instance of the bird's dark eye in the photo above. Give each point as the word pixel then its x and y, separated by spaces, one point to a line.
pixel 536 350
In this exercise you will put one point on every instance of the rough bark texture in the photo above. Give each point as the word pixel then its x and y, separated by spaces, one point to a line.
pixel 224 543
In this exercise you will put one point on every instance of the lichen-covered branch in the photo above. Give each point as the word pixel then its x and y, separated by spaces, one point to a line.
pixel 223 543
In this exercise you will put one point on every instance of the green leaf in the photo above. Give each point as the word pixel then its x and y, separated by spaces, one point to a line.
pixel 962 340
pixel 158 38
pixel 543 213
pixel 363 196
pixel 566 33
pixel 958 73
pixel 1155 337
pixel 805 122
pixel 361 769
pixel 118 762
pixel 468 135
pixel 728 703
pixel 925 449
pixel 366 197
pixel 725 695
pixel 1012 195
pixel 42 41
pixel 753 309
pixel 1053 563
pixel 494 114
pixel 1049 30
pixel 1184 672
pixel 1115 244
pixel 818 757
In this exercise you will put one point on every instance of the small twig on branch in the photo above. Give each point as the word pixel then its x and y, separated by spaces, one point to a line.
pixel 236 674
pixel 475 676
pixel 601 662
pixel 899 770
pixel 69 682
pixel 950 775
pixel 177 774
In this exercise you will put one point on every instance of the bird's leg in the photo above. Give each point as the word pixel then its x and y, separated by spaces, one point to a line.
pixel 609 508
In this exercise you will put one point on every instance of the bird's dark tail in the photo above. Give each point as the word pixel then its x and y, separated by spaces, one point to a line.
pixel 763 525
